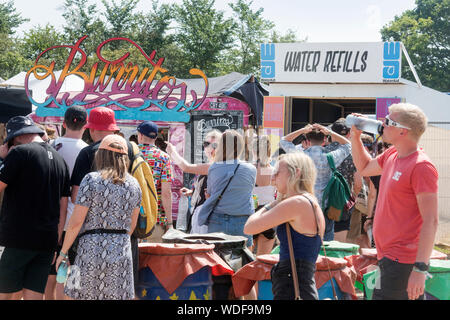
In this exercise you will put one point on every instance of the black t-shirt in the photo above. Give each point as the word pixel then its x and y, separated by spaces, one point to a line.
pixel 37 177
pixel 85 162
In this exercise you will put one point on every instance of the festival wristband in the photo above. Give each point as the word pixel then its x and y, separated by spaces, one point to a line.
pixel 426 273
pixel 267 207
pixel 62 254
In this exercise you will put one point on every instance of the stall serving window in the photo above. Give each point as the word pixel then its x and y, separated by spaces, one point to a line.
pixel 302 111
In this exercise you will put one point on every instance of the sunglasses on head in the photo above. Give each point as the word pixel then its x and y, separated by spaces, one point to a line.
pixel 207 144
pixel 392 123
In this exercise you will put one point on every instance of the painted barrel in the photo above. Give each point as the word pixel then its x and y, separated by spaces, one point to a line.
pixel 197 286
pixel 178 271
pixel 338 249
pixel 232 249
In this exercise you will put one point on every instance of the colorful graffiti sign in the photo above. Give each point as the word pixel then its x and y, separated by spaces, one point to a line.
pixel 134 93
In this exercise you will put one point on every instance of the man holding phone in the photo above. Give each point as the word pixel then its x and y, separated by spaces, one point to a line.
pixel 160 163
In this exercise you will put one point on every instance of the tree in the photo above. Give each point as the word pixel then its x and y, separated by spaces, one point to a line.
pixel 202 34
pixel 120 18
pixel 82 19
pixel 11 60
pixel 150 29
pixel 9 18
pixel 251 30
pixel 424 32
pixel 38 39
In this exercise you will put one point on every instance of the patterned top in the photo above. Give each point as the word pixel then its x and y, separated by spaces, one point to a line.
pixel 160 163
pixel 103 268
pixel 319 155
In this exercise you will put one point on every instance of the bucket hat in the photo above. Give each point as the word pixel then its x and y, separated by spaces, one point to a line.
pixel 21 125
pixel 102 118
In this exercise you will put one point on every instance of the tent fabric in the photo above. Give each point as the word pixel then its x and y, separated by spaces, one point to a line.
pixel 235 85
pixel 13 102
pixel 172 263
pixel 341 270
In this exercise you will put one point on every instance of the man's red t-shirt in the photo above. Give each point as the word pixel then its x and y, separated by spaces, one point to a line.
pixel 398 222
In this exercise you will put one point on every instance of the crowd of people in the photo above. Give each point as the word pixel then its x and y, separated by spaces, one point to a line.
pixel 69 203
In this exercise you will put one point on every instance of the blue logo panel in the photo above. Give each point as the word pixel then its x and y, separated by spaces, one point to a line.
pixel 392 56
pixel 268 61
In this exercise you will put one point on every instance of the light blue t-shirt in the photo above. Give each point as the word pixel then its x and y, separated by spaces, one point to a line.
pixel 237 199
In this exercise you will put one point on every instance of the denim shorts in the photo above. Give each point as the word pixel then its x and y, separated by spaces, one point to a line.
pixel 283 284
pixel 394 278
pixel 228 224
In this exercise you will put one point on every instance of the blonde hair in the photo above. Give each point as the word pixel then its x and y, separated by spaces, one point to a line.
pixel 230 146
pixel 263 149
pixel 411 116
pixel 306 180
pixel 216 134
pixel 112 165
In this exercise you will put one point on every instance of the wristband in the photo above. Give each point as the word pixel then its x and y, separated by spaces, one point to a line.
pixel 426 273
pixel 369 218
pixel 267 207
pixel 62 254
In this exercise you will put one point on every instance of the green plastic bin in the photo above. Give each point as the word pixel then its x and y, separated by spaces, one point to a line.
pixel 439 286
pixel 338 249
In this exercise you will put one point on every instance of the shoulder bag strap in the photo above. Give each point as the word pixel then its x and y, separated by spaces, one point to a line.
pixel 324 251
pixel 223 191
pixel 293 266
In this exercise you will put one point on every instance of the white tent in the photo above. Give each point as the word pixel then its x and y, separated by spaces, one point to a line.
pixel 39 87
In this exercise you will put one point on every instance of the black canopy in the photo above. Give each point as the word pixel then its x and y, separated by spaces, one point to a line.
pixel 13 102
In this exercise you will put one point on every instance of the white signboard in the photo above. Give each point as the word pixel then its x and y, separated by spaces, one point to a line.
pixel 368 62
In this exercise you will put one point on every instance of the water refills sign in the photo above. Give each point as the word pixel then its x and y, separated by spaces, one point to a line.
pixel 368 62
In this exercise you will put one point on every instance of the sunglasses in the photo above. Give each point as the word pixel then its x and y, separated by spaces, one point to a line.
pixel 392 123
pixel 207 144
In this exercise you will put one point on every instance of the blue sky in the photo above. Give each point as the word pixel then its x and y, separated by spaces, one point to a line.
pixel 316 20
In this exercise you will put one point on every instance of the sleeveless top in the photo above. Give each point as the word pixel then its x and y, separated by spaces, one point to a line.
pixel 304 247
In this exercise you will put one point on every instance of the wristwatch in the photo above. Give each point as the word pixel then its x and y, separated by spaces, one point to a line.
pixel 422 266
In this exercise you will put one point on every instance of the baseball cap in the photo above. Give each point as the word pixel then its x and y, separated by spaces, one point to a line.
pixel 149 129
pixel 102 118
pixel 20 125
pixel 76 115
pixel 340 127
pixel 114 138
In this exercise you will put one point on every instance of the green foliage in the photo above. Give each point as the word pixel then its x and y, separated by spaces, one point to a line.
pixel 202 34
pixel 251 30
pixel 9 18
pixel 188 34
pixel 424 32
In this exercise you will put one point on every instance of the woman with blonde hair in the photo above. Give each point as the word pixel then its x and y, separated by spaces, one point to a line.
pixel 295 208
pixel 105 215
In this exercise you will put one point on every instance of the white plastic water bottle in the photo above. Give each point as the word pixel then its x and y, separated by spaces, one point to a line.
pixel 365 124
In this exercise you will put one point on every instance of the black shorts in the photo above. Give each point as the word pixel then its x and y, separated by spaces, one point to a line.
pixel 394 277
pixel 24 269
